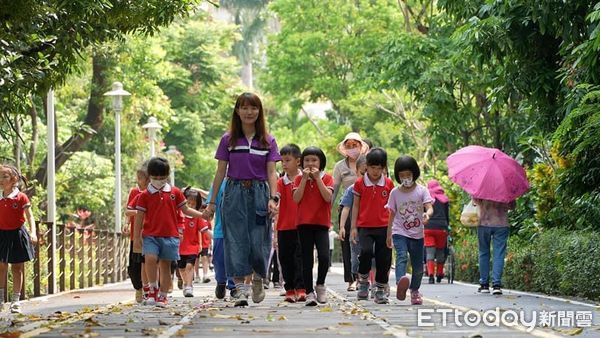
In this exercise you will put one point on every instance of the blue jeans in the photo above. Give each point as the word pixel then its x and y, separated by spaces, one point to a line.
pixel 409 246
pixel 219 263
pixel 499 237
pixel 246 228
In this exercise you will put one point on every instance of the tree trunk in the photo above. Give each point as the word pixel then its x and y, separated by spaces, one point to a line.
pixel 247 76
pixel 33 114
pixel 93 119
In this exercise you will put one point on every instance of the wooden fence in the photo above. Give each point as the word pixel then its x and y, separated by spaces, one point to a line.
pixel 84 258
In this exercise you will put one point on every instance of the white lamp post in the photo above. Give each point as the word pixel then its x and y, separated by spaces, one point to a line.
pixel 152 127
pixel 172 153
pixel 117 94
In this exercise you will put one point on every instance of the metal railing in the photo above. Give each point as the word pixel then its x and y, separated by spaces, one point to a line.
pixel 84 258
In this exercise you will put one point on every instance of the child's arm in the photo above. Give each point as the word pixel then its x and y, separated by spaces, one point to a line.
pixel 428 212
pixel 354 230
pixel 299 192
pixel 191 212
pixel 343 220
pixel 389 242
pixel 130 212
pixel 31 221
pixel 137 232
pixel 326 193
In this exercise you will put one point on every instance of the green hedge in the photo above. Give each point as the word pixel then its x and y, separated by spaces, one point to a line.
pixel 556 262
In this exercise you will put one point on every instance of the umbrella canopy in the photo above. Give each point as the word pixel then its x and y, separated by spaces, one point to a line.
pixel 487 173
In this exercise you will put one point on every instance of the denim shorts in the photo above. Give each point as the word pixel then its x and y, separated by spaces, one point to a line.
pixel 165 248
pixel 246 227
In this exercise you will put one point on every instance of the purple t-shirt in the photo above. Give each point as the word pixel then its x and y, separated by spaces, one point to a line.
pixel 247 162
pixel 408 209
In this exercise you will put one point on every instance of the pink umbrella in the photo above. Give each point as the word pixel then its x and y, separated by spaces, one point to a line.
pixel 487 173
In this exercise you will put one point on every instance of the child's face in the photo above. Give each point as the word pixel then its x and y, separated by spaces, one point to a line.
pixel 406 178
pixel 290 164
pixel 374 172
pixel 311 161
pixel 361 170
pixel 142 180
pixel 7 179
pixel 248 113
pixel 191 201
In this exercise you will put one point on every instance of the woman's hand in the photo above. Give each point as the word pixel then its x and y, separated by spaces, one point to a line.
pixel 342 234
pixel 273 208
pixel 209 212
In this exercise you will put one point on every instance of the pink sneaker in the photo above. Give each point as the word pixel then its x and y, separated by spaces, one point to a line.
pixel 415 297
pixel 401 287
pixel 161 301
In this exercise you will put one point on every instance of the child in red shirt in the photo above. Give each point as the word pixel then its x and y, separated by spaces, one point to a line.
pixel 313 191
pixel 15 242
pixel 286 232
pixel 156 223
pixel 369 225
pixel 205 249
pixel 136 260
pixel 190 245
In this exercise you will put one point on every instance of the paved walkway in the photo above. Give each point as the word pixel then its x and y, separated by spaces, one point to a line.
pixel 110 312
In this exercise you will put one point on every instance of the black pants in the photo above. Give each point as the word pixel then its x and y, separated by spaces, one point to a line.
pixel 383 255
pixel 134 270
pixel 290 258
pixel 347 252
pixel 273 268
pixel 312 236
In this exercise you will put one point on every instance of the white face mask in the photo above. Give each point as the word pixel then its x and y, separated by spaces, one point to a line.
pixel 158 184
pixel 353 153
pixel 407 182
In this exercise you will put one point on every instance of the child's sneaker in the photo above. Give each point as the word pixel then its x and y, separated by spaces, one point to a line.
pixel 311 299
pixel 401 287
pixel 300 295
pixel 439 278
pixel 321 291
pixel 431 279
pixel 220 291
pixel 290 296
pixel 497 290
pixel 151 296
pixel 161 301
pixel 205 280
pixel 188 291
pixel 139 296
pixel 484 288
pixel 258 291
pixel 415 297
pixel 276 285
pixel 380 297
pixel 372 292
pixel 386 289
pixel 15 307
pixel 363 291
pixel 180 283
pixel 241 299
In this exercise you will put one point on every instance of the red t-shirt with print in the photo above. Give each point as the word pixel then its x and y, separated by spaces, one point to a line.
pixel 12 210
pixel 312 208
pixel 161 210
pixel 372 212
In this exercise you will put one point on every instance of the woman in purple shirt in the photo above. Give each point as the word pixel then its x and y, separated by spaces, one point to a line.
pixel 247 155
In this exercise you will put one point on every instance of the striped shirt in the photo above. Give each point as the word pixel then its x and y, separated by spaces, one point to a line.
pixel 247 161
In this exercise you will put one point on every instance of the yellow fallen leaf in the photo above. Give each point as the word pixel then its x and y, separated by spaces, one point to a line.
pixel 218 329
pixel 570 332
pixel 345 324
pixel 326 309
pixel 270 318
pixel 281 318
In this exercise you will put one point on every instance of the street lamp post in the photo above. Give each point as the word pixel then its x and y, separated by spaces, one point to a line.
pixel 172 153
pixel 152 127
pixel 117 94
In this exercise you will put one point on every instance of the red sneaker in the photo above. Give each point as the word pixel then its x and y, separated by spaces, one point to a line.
pixel 161 301
pixel 151 296
pixel 290 296
pixel 300 295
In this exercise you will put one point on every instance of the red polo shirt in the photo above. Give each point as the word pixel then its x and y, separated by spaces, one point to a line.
pixel 312 208
pixel 190 244
pixel 288 209
pixel 161 210
pixel 372 212
pixel 131 203
pixel 204 227
pixel 12 210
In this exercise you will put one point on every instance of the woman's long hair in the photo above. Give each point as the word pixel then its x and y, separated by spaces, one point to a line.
pixel 235 128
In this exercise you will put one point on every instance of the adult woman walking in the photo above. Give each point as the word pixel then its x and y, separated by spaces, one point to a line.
pixel 344 175
pixel 247 154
